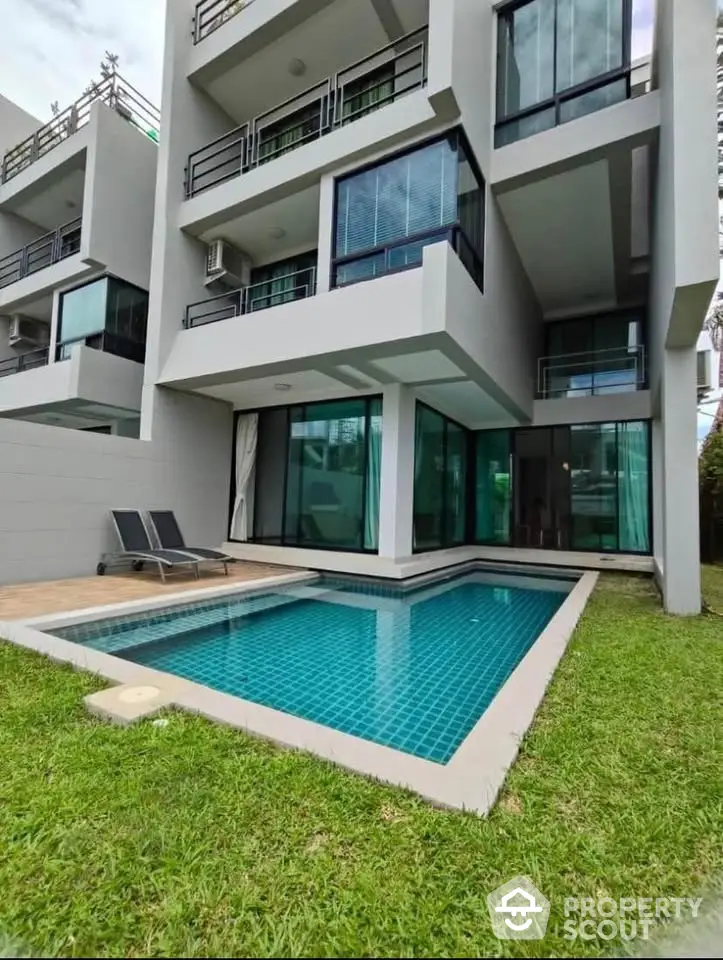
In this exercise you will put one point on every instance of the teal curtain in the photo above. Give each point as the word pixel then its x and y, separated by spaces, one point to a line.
pixel 373 477
pixel 363 96
pixel 633 485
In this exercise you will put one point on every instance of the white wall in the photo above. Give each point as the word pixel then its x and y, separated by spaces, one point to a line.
pixel 58 486
pixel 684 274
pixel 119 197
pixel 15 124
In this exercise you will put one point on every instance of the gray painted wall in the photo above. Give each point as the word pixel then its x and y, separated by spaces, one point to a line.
pixel 57 486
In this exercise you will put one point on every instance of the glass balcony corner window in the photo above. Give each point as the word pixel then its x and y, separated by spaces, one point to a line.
pixel 387 214
pixel 558 60
pixel 106 314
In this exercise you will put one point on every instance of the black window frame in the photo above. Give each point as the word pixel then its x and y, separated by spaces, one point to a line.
pixel 284 540
pixel 453 232
pixel 559 98
pixel 104 340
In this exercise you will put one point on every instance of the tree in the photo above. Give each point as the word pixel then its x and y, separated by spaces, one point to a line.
pixel 714 326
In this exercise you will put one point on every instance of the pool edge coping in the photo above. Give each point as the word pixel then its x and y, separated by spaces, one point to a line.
pixel 470 780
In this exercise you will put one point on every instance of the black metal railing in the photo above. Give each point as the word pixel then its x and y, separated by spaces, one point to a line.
pixel 106 342
pixel 253 298
pixel 41 253
pixel 24 361
pixel 114 91
pixel 367 85
pixel 209 15
pixel 591 373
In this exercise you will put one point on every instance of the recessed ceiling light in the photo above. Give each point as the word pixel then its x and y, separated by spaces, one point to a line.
pixel 282 387
pixel 277 233
pixel 297 67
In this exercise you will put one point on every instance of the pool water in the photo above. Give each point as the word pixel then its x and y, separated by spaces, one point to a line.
pixel 413 670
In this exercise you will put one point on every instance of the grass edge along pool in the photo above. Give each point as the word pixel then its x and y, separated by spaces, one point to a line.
pixel 411 668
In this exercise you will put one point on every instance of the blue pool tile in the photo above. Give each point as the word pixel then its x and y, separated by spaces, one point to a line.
pixel 409 669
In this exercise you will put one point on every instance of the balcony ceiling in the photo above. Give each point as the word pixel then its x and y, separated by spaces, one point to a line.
pixel 334 38
pixel 257 233
pixel 51 202
pixel 573 233
pixel 434 377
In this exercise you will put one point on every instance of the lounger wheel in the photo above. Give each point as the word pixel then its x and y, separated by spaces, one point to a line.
pixel 100 569
pixel 137 565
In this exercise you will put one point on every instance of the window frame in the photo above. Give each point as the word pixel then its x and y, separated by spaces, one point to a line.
pixel 284 540
pixel 453 232
pixel 110 278
pixel 559 98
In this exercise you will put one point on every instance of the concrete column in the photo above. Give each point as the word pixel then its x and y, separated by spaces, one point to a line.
pixel 326 233
pixel 397 473
pixel 681 536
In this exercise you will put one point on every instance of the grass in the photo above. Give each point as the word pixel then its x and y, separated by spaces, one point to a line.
pixel 195 840
pixel 712 577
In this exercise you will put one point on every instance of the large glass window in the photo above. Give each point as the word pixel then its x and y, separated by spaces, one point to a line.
pixel 106 314
pixel 387 214
pixel 559 60
pixel 493 487
pixel 318 475
pixel 440 481
pixel 593 355
pixel 579 487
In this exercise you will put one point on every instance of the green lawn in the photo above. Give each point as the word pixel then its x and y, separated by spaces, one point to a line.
pixel 194 840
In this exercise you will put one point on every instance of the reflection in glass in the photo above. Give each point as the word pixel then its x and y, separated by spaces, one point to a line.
pixel 493 486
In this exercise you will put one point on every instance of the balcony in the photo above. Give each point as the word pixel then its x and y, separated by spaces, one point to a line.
pixel 24 361
pixel 117 93
pixel 592 373
pixel 43 252
pixel 363 87
pixel 251 299
pixel 111 343
pixel 209 15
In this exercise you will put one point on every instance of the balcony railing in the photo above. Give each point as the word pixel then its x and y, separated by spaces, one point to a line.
pixel 24 361
pixel 251 299
pixel 114 91
pixel 41 253
pixel 107 343
pixel 592 373
pixel 211 14
pixel 360 89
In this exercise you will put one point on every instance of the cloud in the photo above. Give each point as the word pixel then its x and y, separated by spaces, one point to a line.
pixel 642 32
pixel 51 49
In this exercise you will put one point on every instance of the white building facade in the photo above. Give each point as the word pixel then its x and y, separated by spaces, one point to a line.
pixel 426 284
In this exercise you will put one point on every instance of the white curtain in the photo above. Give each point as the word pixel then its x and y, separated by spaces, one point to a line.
pixel 246 435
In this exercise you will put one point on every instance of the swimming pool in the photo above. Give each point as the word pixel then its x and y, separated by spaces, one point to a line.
pixel 408 668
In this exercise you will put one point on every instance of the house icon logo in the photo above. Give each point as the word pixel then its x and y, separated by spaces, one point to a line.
pixel 518 910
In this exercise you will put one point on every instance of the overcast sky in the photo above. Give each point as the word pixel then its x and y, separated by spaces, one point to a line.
pixel 50 49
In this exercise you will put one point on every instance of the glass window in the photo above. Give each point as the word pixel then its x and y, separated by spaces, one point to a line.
pixel 593 356
pixel 82 311
pixel 427 195
pixel 428 478
pixel 525 67
pixel 493 495
pixel 589 40
pixel 282 282
pixel 440 481
pixel 317 478
pixel 593 477
pixel 107 314
pixel 549 47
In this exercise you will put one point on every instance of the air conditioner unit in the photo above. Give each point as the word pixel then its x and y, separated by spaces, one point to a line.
pixel 25 330
pixel 227 266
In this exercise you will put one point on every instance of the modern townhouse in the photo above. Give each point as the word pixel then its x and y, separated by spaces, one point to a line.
pixel 76 223
pixel 427 282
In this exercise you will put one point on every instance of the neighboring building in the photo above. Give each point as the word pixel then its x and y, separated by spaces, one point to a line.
pixel 76 225
pixel 427 281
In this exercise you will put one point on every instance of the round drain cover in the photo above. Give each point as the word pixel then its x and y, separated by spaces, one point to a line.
pixel 138 694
